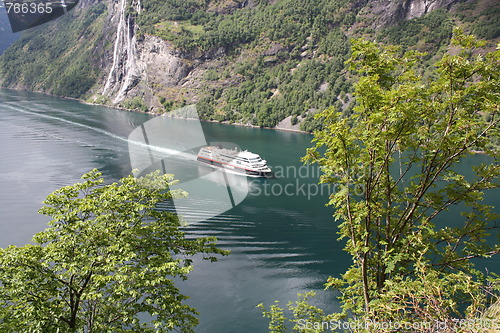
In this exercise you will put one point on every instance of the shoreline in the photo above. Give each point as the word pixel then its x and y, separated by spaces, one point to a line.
pixel 157 114
pixel 247 125
pixel 167 115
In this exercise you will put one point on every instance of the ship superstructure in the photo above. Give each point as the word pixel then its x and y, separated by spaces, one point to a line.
pixel 243 162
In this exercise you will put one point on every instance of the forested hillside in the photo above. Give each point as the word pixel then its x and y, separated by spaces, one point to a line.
pixel 58 58
pixel 256 62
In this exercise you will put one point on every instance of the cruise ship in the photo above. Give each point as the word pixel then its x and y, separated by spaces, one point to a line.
pixel 242 162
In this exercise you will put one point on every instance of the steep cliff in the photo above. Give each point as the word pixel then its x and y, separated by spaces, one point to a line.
pixel 250 61
pixel 387 12
pixel 141 67
pixel 123 74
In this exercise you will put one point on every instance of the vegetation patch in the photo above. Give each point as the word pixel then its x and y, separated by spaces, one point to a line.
pixel 137 103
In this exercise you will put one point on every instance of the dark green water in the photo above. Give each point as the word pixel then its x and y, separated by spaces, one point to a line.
pixel 281 243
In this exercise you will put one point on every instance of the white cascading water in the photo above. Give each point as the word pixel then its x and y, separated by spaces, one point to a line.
pixel 123 71
pixel 119 31
pixel 130 69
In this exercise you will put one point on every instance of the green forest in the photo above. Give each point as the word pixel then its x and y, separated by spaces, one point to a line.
pixel 283 58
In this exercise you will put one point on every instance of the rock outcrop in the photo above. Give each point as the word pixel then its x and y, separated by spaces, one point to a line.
pixel 123 75
pixel 139 66
pixel 123 64
pixel 387 12
pixel 150 65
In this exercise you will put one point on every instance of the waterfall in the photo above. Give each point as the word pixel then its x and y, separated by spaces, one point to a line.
pixel 130 69
pixel 119 30
pixel 123 74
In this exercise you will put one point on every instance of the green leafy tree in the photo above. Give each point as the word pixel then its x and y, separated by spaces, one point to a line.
pixel 394 161
pixel 105 264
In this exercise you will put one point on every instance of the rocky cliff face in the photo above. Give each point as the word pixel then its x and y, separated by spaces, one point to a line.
pixel 147 66
pixel 112 62
pixel 139 67
pixel 417 8
pixel 387 12
pixel 123 74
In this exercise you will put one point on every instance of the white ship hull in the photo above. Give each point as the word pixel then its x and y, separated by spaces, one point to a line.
pixel 244 163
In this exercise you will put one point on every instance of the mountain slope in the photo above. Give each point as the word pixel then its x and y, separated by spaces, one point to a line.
pixel 6 35
pixel 62 58
pixel 258 62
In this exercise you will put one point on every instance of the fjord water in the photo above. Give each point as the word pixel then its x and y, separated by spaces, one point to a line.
pixel 281 243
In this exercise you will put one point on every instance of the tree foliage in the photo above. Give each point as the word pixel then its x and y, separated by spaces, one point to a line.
pixel 105 264
pixel 394 162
